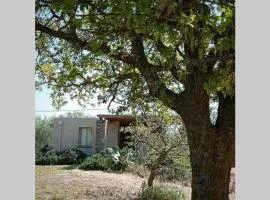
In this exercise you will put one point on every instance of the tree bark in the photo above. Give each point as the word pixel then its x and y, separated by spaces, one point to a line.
pixel 153 173
pixel 211 163
pixel 155 166
pixel 212 149
pixel 211 146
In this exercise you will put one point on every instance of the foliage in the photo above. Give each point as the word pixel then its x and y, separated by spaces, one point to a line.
pixel 97 162
pixel 76 114
pixel 122 158
pixel 47 156
pixel 113 159
pixel 162 192
pixel 176 169
pixel 138 170
pixel 158 139
pixel 43 133
pixel 71 156
pixel 154 135
pixel 133 51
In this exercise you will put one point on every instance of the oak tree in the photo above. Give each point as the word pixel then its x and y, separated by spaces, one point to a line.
pixel 133 52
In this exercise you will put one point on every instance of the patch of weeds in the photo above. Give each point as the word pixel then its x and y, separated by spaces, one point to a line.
pixel 161 192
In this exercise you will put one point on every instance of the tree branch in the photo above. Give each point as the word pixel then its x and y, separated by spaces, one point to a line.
pixel 157 88
pixel 138 60
pixel 70 37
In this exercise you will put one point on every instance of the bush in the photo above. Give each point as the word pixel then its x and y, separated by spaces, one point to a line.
pixel 98 161
pixel 122 158
pixel 43 132
pixel 70 157
pixel 174 172
pixel 47 156
pixel 113 159
pixel 81 156
pixel 162 193
pixel 176 169
pixel 67 157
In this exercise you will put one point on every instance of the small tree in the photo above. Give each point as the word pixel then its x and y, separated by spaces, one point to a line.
pixel 43 132
pixel 159 138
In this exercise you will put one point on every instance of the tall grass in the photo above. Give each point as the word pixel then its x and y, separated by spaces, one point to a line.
pixel 161 192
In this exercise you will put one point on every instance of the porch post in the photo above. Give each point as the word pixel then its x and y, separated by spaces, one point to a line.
pixel 100 137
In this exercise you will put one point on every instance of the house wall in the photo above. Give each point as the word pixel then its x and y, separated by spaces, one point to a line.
pixel 112 134
pixel 70 133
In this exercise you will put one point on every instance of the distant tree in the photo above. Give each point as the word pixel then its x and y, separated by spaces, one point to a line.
pixel 43 132
pixel 76 114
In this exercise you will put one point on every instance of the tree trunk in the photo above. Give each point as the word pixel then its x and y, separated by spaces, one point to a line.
pixel 211 150
pixel 155 166
pixel 151 177
pixel 211 165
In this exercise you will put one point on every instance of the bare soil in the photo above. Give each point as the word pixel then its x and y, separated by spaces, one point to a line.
pixel 67 183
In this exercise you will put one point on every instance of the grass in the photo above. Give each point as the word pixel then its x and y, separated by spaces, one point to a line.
pixel 138 170
pixel 47 183
pixel 67 183
pixel 162 192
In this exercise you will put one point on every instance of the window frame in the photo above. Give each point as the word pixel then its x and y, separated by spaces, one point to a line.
pixel 87 135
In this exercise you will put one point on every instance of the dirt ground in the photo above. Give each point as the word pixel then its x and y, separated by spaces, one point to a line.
pixel 58 182
pixel 67 183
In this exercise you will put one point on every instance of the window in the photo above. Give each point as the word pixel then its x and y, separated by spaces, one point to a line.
pixel 85 136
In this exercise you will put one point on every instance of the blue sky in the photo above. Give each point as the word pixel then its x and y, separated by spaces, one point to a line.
pixel 43 102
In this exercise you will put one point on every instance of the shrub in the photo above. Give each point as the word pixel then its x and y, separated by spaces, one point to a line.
pixel 71 156
pixel 162 192
pixel 48 158
pixel 43 132
pixel 175 169
pixel 45 149
pixel 122 158
pixel 174 172
pixel 67 157
pixel 114 159
pixel 98 161
pixel 80 155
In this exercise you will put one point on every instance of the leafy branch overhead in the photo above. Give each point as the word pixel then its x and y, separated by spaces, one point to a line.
pixel 134 51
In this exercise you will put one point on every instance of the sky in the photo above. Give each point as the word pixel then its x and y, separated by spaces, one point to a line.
pixel 43 106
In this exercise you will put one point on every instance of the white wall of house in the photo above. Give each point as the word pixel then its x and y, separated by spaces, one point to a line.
pixel 67 134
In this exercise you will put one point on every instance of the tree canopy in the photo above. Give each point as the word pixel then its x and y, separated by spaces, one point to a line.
pixel 134 52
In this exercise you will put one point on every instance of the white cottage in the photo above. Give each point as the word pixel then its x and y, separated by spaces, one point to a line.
pixel 90 134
